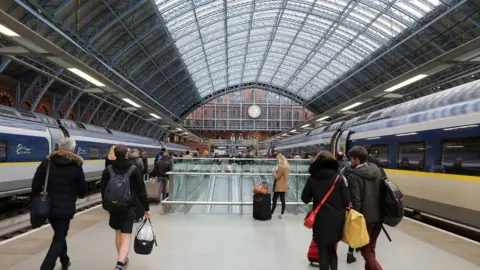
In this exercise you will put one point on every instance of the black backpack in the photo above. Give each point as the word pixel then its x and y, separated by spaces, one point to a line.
pixel 117 197
pixel 392 203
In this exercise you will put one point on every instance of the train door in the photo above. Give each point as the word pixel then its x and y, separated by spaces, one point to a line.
pixel 339 141
pixel 56 135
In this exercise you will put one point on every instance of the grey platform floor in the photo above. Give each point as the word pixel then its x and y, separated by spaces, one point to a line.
pixel 233 241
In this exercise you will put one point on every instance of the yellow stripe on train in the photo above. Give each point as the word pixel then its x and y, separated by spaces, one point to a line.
pixel 436 175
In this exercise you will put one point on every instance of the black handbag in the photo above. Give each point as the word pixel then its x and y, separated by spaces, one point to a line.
pixel 41 205
pixel 141 246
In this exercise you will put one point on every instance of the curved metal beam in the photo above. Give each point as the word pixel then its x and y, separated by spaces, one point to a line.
pixel 117 19
pixel 111 117
pixel 44 90
pixel 94 112
pixel 239 87
pixel 67 113
pixel 62 102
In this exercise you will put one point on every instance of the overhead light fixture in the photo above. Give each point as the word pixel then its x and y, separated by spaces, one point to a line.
pixel 179 129
pixel 454 146
pixel 285 134
pixel 323 118
pixel 352 106
pixel 85 76
pixel 129 101
pixel 406 134
pixel 307 125
pixel 453 128
pixel 156 116
pixel 293 130
pixel 407 82
pixel 373 138
pixel 7 32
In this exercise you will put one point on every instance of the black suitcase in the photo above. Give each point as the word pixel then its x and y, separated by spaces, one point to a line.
pixel 262 206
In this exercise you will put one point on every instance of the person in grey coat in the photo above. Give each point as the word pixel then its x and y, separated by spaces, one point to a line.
pixel 365 182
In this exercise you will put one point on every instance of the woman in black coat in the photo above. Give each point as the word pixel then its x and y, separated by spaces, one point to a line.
pixel 328 227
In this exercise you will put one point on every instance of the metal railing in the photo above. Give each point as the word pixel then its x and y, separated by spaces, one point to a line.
pixel 226 192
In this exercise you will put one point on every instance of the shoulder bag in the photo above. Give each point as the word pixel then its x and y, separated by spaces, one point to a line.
pixel 310 218
pixel 41 204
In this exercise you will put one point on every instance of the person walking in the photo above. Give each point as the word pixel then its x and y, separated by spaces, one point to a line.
pixel 66 183
pixel 330 219
pixel 160 170
pixel 280 186
pixel 122 187
pixel 365 188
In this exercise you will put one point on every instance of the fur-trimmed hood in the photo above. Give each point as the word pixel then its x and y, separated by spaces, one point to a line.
pixel 322 168
pixel 65 157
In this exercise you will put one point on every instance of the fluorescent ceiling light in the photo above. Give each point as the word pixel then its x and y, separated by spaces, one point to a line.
pixel 7 32
pixel 407 82
pixel 352 106
pixel 285 134
pixel 307 125
pixel 373 138
pixel 129 101
pixel 293 130
pixel 323 118
pixel 85 76
pixel 406 134
pixel 179 129
pixel 453 128
pixel 154 115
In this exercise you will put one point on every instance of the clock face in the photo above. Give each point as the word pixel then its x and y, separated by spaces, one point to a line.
pixel 254 111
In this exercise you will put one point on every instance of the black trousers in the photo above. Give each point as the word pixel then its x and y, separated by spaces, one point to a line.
pixel 58 248
pixel 275 199
pixel 328 257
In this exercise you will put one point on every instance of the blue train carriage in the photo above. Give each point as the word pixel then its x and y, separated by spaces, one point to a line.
pixel 429 146
pixel 94 143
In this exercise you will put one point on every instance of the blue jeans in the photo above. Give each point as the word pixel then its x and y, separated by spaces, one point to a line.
pixel 164 182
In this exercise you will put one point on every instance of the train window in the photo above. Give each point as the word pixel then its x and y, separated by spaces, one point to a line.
pixel 105 152
pixel 411 156
pixel 380 153
pixel 3 151
pixel 93 152
pixel 461 156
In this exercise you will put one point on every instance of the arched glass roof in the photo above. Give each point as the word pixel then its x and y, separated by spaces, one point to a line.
pixel 301 46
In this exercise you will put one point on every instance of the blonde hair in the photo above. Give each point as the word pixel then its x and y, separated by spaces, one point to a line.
pixel 282 161
pixel 111 154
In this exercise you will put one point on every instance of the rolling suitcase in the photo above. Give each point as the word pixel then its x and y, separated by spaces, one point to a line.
pixel 154 190
pixel 312 254
pixel 262 206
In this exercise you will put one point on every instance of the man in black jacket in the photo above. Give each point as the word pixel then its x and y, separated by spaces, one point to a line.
pixel 122 222
pixel 66 182
pixel 364 180
pixel 160 170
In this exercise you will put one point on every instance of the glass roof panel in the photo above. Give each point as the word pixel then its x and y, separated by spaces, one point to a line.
pixel 299 45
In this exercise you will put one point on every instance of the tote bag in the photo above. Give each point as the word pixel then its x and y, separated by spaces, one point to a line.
pixel 355 232
pixel 41 204
pixel 145 238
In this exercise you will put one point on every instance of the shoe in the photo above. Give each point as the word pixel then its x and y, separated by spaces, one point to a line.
pixel 120 266
pixel 351 258
pixel 280 216
pixel 66 266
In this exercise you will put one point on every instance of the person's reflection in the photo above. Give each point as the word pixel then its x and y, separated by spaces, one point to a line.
pixel 457 167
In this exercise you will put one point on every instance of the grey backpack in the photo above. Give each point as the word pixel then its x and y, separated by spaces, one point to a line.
pixel 117 197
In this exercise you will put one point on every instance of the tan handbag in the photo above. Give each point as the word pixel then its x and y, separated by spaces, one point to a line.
pixel 261 188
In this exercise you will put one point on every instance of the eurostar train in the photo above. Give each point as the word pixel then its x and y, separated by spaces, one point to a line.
pixel 26 138
pixel 429 146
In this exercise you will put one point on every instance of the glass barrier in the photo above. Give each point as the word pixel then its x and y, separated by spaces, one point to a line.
pixel 257 165
pixel 220 192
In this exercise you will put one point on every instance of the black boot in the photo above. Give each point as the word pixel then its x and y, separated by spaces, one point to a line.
pixel 351 258
pixel 65 266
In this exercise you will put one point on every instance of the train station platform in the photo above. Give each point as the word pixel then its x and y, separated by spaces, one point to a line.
pixel 234 241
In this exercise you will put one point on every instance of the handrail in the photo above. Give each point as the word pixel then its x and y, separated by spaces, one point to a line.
pixel 232 174
pixel 222 203
pixel 235 158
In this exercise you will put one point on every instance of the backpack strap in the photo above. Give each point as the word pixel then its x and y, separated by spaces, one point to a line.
pixel 111 171
pixel 130 171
